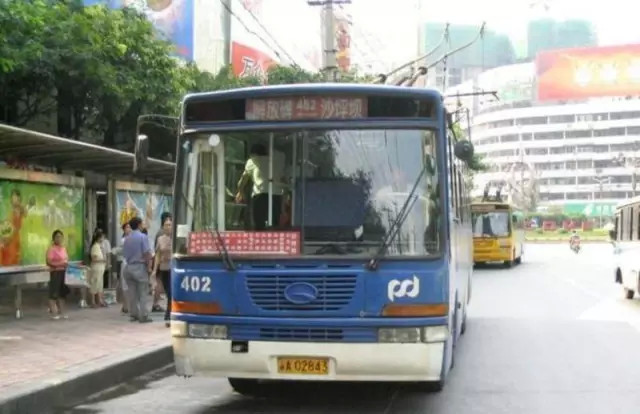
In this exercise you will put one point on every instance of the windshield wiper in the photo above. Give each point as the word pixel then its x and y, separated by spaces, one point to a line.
pixel 397 224
pixel 222 249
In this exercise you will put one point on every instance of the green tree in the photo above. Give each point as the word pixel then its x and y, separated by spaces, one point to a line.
pixel 93 68
pixel 26 80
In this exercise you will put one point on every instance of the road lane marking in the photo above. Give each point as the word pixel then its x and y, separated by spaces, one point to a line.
pixel 614 310
pixel 583 289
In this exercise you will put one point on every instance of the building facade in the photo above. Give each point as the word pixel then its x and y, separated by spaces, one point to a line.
pixel 578 152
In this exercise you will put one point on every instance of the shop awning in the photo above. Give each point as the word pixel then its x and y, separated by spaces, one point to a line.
pixel 49 150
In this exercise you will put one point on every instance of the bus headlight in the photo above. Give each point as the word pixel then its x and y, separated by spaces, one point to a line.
pixel 198 330
pixel 399 335
pixel 432 334
pixel 178 329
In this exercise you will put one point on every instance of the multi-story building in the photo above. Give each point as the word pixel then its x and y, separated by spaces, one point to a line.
pixel 576 151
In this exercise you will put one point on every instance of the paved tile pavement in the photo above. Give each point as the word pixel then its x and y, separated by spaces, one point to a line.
pixel 37 348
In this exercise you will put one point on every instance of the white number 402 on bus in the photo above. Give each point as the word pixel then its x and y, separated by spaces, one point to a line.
pixel 196 283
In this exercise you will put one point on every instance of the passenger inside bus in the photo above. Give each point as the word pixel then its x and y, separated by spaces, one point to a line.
pixel 256 173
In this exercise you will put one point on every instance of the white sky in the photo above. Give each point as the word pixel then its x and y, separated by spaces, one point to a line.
pixel 385 33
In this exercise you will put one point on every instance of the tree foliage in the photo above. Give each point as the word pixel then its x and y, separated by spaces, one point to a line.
pixel 90 72
pixel 476 164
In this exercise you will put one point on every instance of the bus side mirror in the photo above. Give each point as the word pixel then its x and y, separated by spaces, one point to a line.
pixel 464 150
pixel 612 235
pixel 141 154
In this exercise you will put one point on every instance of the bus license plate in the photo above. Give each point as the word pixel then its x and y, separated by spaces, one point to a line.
pixel 303 366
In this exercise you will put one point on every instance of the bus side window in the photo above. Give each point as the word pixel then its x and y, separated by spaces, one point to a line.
pixel 461 196
pixel 452 177
pixel 631 223
pixel 637 232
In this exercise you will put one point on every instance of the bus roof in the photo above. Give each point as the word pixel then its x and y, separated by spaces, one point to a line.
pixel 315 89
pixel 629 201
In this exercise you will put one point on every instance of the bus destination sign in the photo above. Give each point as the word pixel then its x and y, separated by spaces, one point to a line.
pixel 282 243
pixel 305 107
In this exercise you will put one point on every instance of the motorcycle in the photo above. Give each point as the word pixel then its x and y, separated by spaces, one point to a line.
pixel 575 246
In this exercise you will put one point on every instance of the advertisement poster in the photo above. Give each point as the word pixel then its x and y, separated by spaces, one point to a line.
pixel 575 74
pixel 29 214
pixel 147 206
pixel 342 24
pixel 247 61
pixel 173 19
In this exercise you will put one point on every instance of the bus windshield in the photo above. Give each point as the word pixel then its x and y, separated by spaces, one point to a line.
pixel 491 224
pixel 341 190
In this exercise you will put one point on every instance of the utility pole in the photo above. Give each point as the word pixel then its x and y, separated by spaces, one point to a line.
pixel 329 55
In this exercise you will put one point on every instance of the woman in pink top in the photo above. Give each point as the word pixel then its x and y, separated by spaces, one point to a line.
pixel 57 260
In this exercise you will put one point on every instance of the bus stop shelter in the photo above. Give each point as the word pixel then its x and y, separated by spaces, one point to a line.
pixel 70 157
pixel 66 154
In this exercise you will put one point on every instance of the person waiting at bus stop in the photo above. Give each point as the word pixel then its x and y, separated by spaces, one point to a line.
pixel 256 171
pixel 137 254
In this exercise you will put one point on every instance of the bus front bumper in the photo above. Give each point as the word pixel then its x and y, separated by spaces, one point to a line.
pixel 495 255
pixel 345 361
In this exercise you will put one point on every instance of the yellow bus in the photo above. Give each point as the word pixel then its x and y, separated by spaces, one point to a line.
pixel 498 233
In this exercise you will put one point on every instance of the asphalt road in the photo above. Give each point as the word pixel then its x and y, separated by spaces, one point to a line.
pixel 553 335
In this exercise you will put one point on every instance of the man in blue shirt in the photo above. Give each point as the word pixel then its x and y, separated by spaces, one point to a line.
pixel 137 254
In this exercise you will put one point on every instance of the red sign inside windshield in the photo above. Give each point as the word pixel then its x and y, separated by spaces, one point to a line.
pixel 305 107
pixel 283 243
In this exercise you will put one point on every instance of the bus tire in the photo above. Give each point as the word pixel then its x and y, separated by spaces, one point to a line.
pixel 629 293
pixel 245 386
pixel 463 327
pixel 431 386
pixel 508 264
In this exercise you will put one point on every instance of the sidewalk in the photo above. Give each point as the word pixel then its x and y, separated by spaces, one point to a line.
pixel 37 353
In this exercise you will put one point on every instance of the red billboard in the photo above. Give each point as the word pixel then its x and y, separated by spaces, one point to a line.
pixel 247 61
pixel 588 72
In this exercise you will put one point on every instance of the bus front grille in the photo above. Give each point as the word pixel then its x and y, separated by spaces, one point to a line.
pixel 302 334
pixel 333 292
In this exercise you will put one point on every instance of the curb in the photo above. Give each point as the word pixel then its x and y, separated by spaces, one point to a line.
pixel 52 393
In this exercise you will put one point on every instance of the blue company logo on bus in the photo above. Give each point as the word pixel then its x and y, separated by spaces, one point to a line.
pixel 301 293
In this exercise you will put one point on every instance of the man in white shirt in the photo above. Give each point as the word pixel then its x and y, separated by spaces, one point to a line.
pixel 256 171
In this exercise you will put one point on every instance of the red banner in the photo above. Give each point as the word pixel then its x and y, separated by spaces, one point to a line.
pixel 588 72
pixel 305 107
pixel 247 61
pixel 283 243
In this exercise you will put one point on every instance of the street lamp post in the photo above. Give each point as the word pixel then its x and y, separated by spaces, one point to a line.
pixel 601 181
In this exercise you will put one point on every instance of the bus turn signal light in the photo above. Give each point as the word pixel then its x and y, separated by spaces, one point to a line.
pixel 211 308
pixel 415 310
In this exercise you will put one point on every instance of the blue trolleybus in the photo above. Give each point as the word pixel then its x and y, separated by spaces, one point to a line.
pixel 321 232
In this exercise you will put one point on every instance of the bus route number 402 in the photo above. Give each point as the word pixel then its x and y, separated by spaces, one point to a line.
pixel 196 284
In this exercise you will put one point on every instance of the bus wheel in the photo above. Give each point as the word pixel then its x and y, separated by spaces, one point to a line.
pixel 463 327
pixel 508 264
pixel 245 386
pixel 629 293
pixel 431 386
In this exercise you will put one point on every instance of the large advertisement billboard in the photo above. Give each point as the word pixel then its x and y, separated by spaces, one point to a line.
pixel 147 205
pixel 29 214
pixel 173 19
pixel 248 61
pixel 581 73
